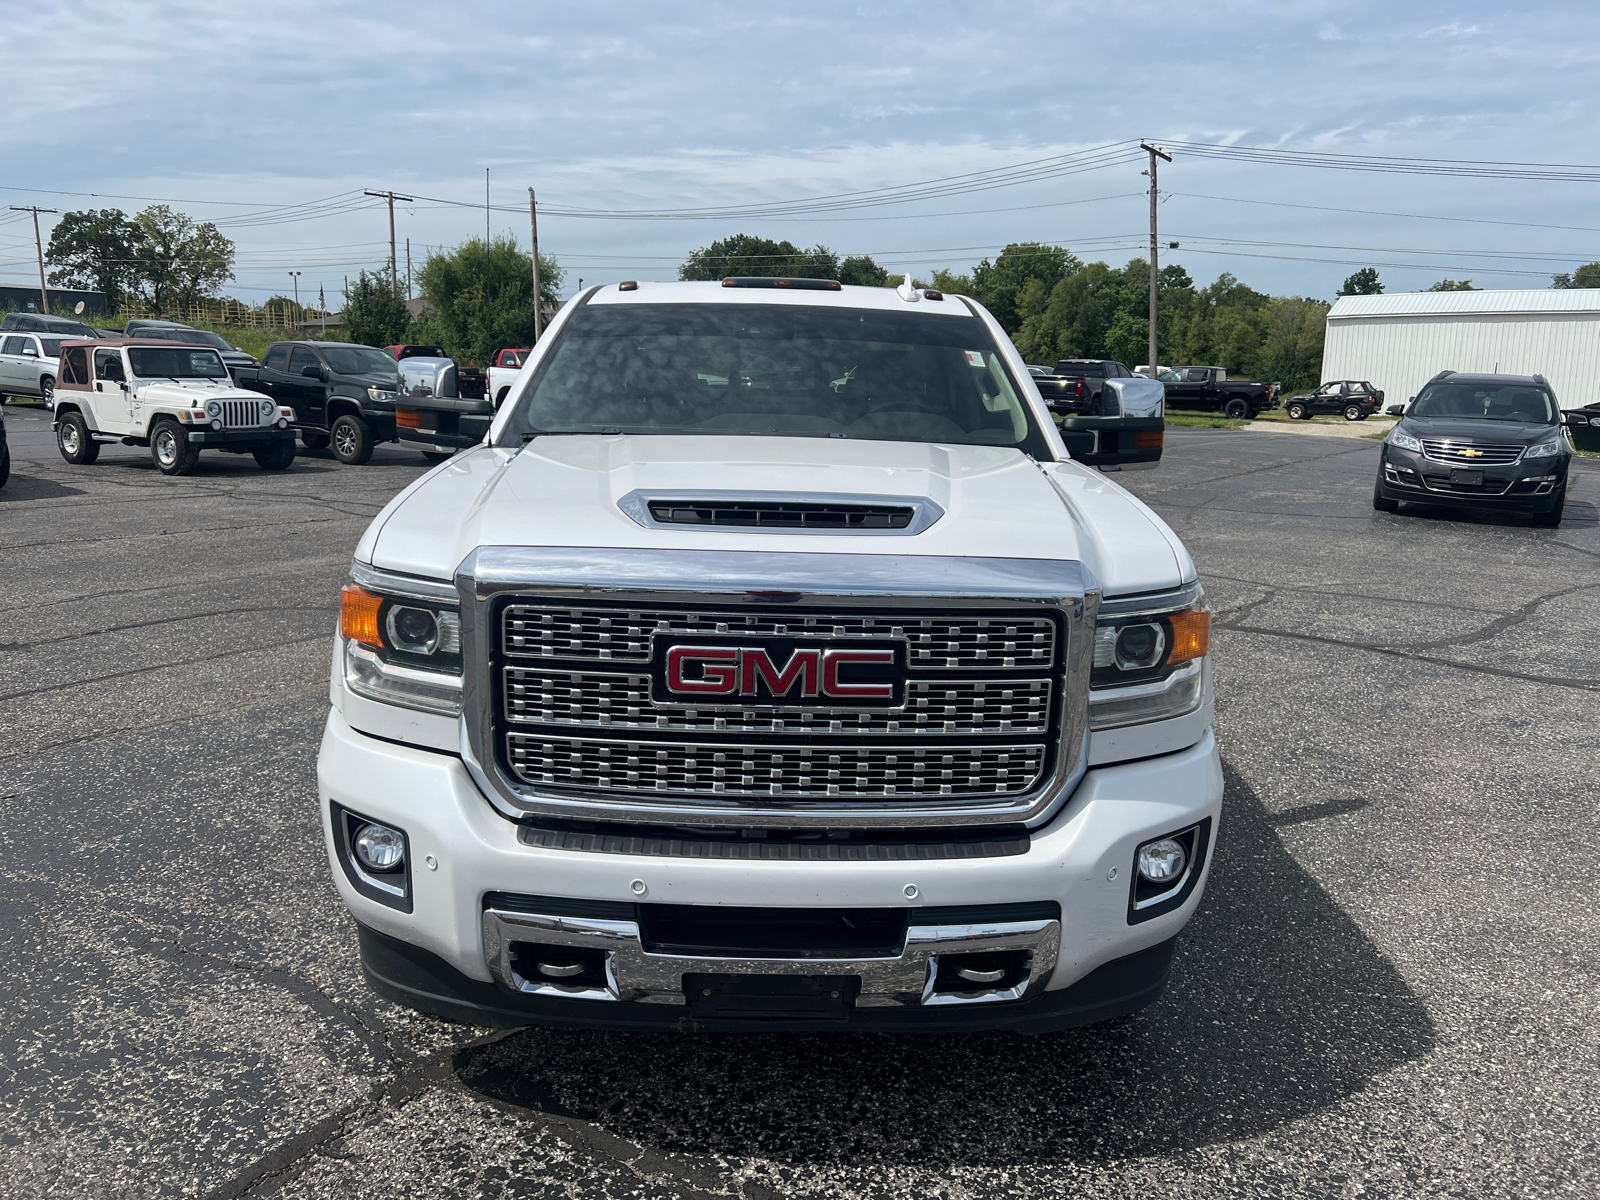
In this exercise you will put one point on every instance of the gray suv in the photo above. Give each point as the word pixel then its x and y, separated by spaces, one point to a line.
pixel 173 331
pixel 1479 441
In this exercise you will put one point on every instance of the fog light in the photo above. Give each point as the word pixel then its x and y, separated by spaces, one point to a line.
pixel 1163 861
pixel 379 848
pixel 217 424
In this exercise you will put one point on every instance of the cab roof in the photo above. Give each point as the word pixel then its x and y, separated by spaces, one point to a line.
pixel 100 343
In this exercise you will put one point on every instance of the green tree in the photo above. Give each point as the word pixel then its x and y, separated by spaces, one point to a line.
pixel 745 255
pixel 1586 276
pixel 373 315
pixel 952 284
pixel 98 251
pixel 179 261
pixel 1451 285
pixel 482 296
pixel 996 285
pixel 1363 283
pixel 861 270
pixel 1127 338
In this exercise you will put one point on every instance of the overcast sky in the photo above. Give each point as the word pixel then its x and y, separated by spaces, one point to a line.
pixel 229 111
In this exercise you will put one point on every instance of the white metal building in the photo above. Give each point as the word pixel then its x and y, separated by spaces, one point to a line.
pixel 1399 342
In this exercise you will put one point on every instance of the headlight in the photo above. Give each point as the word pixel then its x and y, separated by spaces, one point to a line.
pixel 266 408
pixel 378 393
pixel 1543 449
pixel 1149 664
pixel 402 649
pixel 1405 441
pixel 214 409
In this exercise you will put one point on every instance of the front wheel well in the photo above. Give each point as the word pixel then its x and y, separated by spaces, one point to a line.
pixel 338 406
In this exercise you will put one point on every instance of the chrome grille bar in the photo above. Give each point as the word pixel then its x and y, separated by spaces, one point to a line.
pixel 1469 453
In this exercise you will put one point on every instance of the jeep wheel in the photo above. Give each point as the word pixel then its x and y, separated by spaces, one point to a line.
pixel 171 450
pixel 1237 410
pixel 74 442
pixel 1298 412
pixel 1352 412
pixel 352 439
pixel 314 441
pixel 1381 502
pixel 276 455
pixel 1552 518
pixel 47 391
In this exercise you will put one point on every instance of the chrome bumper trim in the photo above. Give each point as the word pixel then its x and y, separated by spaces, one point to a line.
pixel 635 975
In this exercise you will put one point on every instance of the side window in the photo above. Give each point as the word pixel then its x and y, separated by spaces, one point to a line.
pixel 12 345
pixel 75 366
pixel 277 357
pixel 108 365
pixel 301 359
pixel 1195 375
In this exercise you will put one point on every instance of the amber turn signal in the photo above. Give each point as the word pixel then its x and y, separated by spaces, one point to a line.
pixel 358 616
pixel 1148 439
pixel 408 418
pixel 1191 634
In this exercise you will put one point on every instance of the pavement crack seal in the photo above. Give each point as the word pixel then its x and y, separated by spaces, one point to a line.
pixel 1582 685
pixel 1500 624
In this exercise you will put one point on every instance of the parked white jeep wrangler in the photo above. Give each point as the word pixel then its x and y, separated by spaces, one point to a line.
pixel 177 399
pixel 771 666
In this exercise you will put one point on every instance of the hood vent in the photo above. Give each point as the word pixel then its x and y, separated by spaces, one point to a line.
pixel 768 513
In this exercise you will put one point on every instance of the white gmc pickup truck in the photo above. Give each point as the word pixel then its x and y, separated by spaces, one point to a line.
pixel 771 666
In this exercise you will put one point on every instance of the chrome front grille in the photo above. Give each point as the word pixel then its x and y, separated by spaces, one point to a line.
pixel 933 642
pixel 1469 453
pixel 237 414
pixel 815 771
pixel 617 700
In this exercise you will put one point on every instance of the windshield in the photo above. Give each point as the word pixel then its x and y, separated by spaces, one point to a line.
pixel 72 329
pixel 358 360
pixel 776 370
pixel 52 346
pixel 153 362
pixel 1487 402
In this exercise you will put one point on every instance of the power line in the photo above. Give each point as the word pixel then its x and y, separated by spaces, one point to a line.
pixel 1367 212
pixel 1460 168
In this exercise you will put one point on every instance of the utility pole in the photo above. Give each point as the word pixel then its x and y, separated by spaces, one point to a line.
pixel 44 296
pixel 295 275
pixel 1155 270
pixel 408 268
pixel 394 261
pixel 486 212
pixel 533 230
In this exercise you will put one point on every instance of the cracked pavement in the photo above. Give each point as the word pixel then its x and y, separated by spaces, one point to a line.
pixel 1392 989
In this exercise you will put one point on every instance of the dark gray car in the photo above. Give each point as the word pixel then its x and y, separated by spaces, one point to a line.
pixel 173 331
pixel 1479 441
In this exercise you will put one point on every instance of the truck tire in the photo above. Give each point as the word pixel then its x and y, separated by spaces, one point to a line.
pixel 276 455
pixel 5 464
pixel 353 442
pixel 1552 518
pixel 313 440
pixel 170 448
pixel 1236 409
pixel 1299 412
pixel 1352 412
pixel 500 397
pixel 47 391
pixel 1382 503
pixel 74 442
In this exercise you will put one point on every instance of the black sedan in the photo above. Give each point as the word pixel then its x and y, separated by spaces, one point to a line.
pixel 1355 398
pixel 1479 441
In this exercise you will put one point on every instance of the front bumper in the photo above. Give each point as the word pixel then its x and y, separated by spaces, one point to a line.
pixel 239 437
pixel 1532 485
pixel 479 883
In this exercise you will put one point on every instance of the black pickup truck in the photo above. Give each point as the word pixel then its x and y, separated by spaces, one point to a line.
pixel 1074 385
pixel 1208 389
pixel 341 393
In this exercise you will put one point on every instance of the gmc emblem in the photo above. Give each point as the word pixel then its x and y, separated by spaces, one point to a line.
pixel 765 674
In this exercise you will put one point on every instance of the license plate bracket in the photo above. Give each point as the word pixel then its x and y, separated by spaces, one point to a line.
pixel 1465 478
pixel 772 997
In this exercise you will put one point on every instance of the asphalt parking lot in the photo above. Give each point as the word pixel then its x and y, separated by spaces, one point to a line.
pixel 1393 988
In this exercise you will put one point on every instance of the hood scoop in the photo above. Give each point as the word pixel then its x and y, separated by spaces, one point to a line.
pixel 801 512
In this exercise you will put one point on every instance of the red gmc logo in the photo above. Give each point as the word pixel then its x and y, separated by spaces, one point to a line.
pixel 747 670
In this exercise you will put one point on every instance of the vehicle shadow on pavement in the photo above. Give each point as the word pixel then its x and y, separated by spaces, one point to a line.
pixel 35 487
pixel 1279 1006
pixel 1578 513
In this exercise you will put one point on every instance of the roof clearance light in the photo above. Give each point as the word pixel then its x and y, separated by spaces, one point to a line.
pixel 1191 634
pixel 931 295
pixel 631 285
pixel 358 616
pixel 798 285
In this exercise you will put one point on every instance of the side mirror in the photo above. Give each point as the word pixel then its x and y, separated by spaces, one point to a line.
pixel 1395 410
pixel 1575 419
pixel 311 372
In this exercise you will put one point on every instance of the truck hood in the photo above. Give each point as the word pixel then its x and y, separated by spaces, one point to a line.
pixel 192 391
pixel 565 491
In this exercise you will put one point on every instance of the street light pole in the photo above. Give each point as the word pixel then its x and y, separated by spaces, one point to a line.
pixel 394 259
pixel 533 230
pixel 1155 270
pixel 38 246
pixel 296 276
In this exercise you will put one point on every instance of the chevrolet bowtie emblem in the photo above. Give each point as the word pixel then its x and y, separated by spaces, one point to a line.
pixel 1470 453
